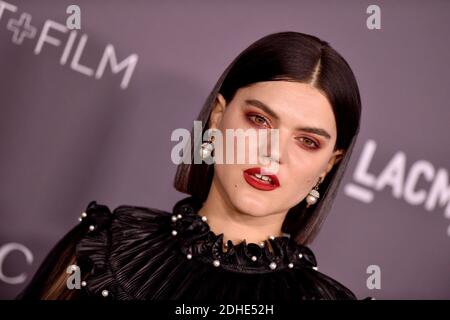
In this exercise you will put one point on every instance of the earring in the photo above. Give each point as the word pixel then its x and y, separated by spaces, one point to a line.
pixel 313 195
pixel 207 148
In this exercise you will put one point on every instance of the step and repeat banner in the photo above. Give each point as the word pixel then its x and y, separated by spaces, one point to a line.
pixel 91 91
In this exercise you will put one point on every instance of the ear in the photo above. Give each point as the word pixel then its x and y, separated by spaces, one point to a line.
pixel 334 159
pixel 217 112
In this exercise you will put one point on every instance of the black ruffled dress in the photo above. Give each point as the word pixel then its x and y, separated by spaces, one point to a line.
pixel 144 253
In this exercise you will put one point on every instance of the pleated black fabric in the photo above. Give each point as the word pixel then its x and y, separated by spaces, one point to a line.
pixel 140 253
pixel 145 253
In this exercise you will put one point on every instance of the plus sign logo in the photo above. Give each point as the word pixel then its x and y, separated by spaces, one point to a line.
pixel 21 28
pixel 70 43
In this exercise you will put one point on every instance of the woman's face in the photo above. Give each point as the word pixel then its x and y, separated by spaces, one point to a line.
pixel 303 156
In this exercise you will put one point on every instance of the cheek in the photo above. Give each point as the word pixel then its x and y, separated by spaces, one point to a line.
pixel 231 185
pixel 234 121
pixel 301 177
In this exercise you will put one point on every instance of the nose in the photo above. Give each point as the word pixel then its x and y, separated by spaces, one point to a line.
pixel 271 149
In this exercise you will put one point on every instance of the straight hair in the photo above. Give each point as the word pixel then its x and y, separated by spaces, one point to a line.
pixel 287 56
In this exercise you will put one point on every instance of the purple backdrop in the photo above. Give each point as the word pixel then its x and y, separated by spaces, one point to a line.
pixel 70 133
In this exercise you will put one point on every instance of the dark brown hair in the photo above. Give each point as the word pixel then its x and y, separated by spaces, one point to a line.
pixel 288 56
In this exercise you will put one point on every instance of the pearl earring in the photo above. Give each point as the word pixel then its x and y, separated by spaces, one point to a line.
pixel 313 195
pixel 207 148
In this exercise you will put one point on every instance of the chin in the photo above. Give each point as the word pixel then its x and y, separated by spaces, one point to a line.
pixel 252 202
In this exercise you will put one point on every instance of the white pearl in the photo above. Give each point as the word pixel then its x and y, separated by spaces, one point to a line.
pixel 311 200
pixel 315 268
pixel 84 215
pixel 272 265
pixel 80 219
pixel 174 218
pixel 254 258
pixel 189 256
pixel 174 232
pixel 206 150
pixel 272 237
pixel 83 283
pixel 179 216
pixel 216 263
pixel 300 255
pixel 91 228
pixel 261 244
pixel 204 218
pixel 105 293
pixel 291 265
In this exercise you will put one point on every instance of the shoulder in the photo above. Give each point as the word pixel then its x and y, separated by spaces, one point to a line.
pixel 329 288
pixel 97 217
pixel 99 220
pixel 113 240
pixel 318 285
pixel 307 280
pixel 94 244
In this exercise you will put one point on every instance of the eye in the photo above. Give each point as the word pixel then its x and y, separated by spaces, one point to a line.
pixel 258 120
pixel 309 143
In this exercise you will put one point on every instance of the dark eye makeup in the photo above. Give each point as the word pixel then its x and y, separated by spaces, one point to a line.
pixel 262 122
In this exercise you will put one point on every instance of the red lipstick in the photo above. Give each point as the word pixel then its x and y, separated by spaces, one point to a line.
pixel 261 182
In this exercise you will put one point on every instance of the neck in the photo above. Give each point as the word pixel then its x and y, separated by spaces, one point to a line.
pixel 236 225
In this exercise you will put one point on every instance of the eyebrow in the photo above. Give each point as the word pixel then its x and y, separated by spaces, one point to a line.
pixel 269 111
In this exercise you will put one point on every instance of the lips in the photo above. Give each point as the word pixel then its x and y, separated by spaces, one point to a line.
pixel 261 182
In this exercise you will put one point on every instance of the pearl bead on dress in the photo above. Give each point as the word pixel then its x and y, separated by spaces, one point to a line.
pixel 83 215
pixel 216 262
pixel 105 293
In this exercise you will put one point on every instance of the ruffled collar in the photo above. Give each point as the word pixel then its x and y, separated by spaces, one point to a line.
pixel 197 241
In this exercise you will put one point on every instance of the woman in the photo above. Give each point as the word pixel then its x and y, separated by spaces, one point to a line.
pixel 243 232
